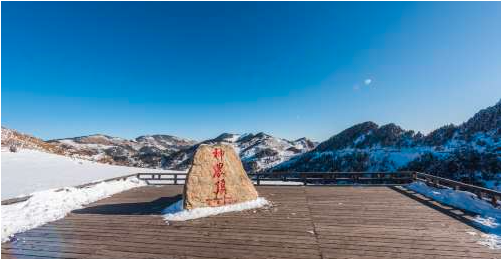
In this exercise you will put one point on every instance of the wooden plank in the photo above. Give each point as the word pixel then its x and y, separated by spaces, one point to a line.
pixel 304 222
pixel 416 231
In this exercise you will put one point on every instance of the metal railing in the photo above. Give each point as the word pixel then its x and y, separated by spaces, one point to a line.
pixel 316 179
pixel 162 178
pixel 335 178
pixel 306 178
pixel 439 182
pixel 339 179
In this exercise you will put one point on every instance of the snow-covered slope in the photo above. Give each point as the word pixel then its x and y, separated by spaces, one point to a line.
pixel 14 140
pixel 164 142
pixel 470 152
pixel 144 151
pixel 28 171
pixel 257 151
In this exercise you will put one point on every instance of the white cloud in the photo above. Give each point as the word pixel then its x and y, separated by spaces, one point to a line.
pixel 367 81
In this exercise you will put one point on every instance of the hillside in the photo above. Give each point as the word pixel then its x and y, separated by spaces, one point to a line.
pixel 469 152
pixel 257 151
pixel 28 171
pixel 14 140
pixel 144 151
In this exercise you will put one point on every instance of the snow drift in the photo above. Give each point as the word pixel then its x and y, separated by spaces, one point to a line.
pixel 50 205
pixel 488 218
pixel 175 212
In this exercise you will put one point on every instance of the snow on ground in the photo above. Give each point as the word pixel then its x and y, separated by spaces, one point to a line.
pixel 488 218
pixel 47 206
pixel 29 171
pixel 175 211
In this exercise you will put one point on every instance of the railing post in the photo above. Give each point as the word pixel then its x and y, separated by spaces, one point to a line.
pixel 494 201
pixel 258 181
pixel 304 179
pixel 175 179
pixel 479 194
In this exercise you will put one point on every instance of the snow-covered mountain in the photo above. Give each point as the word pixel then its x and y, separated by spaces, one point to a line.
pixel 144 151
pixel 13 140
pixel 257 151
pixel 470 152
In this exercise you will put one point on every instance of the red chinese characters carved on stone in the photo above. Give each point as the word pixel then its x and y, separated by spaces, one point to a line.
pixel 221 197
pixel 218 170
pixel 218 153
pixel 220 187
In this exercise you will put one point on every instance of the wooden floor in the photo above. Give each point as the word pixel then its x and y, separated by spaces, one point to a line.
pixel 304 222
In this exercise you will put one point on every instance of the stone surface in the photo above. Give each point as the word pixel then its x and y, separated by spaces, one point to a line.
pixel 217 178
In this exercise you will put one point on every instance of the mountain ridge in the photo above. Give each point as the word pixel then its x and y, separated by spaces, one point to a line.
pixel 258 151
pixel 469 150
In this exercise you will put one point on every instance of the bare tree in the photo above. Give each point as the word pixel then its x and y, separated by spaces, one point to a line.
pixel 13 148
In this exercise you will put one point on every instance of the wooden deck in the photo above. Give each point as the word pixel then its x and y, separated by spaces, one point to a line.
pixel 305 222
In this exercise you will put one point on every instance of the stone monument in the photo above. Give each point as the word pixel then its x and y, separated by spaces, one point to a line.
pixel 217 178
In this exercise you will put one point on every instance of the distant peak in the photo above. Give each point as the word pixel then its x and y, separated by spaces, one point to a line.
pixel 262 134
pixel 228 137
pixel 391 127
pixel 370 124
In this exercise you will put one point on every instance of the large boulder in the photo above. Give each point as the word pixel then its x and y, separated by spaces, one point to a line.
pixel 217 178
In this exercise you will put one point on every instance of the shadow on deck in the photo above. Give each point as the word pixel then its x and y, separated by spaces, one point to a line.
pixel 455 213
pixel 154 207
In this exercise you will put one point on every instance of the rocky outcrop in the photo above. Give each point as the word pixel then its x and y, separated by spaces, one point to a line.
pixel 13 141
pixel 216 178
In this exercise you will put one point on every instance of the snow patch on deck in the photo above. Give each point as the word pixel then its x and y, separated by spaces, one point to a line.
pixel 488 218
pixel 51 205
pixel 175 212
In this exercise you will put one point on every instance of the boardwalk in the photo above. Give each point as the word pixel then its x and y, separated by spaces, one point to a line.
pixel 305 222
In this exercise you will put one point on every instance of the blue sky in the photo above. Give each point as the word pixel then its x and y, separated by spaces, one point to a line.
pixel 196 69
